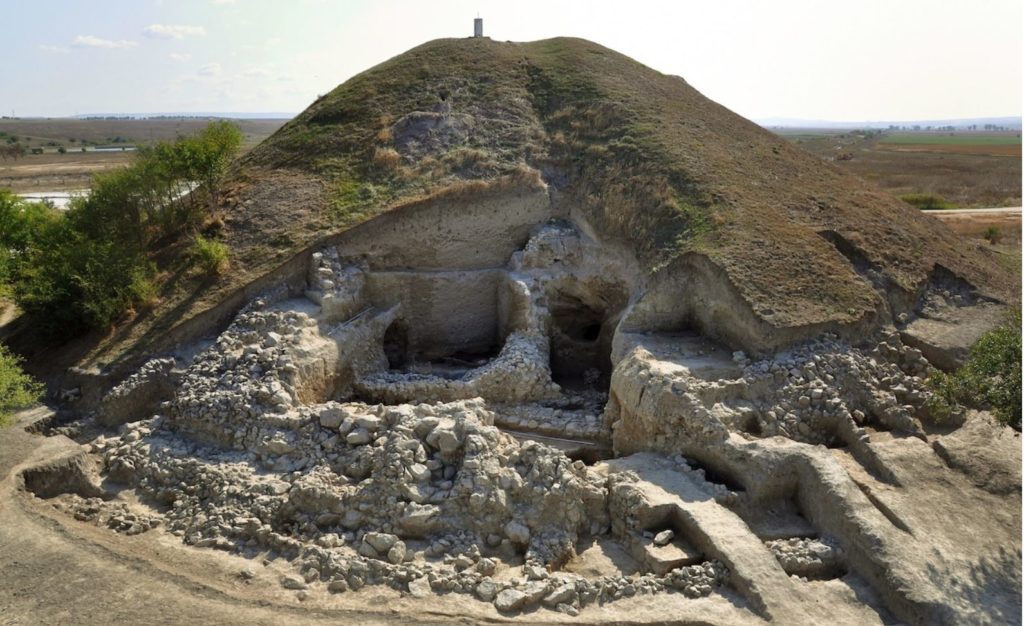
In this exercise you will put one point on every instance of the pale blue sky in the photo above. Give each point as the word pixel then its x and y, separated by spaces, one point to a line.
pixel 855 60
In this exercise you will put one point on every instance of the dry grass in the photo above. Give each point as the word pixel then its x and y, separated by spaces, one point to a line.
pixel 386 159
pixel 967 175
pixel 58 172
pixel 974 225
pixel 644 158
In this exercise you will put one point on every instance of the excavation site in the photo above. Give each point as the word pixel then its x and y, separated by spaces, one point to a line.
pixel 507 340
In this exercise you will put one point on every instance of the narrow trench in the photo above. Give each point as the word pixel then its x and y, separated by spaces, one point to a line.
pixel 882 507
pixel 716 476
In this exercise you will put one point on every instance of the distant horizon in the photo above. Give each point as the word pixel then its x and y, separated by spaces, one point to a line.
pixel 767 122
pixel 812 60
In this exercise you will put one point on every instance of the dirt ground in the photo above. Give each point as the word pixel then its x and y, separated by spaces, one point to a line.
pixel 58 172
pixel 975 223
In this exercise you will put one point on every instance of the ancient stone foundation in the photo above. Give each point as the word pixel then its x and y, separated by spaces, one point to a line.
pixel 493 430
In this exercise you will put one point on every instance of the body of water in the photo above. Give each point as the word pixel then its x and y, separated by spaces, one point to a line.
pixel 59 199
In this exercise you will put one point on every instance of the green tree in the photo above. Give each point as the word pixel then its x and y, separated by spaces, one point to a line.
pixel 84 268
pixel 18 390
pixel 21 222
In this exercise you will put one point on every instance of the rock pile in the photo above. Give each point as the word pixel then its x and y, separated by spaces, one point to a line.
pixel 821 392
pixel 808 557
pixel 394 495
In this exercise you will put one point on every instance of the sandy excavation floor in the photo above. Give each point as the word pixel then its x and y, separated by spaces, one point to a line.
pixel 363 450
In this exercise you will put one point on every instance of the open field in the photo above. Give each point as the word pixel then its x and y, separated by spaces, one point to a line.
pixel 966 169
pixel 52 171
pixel 57 172
pixel 954 139
pixel 75 133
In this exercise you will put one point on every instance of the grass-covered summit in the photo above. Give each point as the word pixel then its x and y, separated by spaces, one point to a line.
pixel 641 156
pixel 646 156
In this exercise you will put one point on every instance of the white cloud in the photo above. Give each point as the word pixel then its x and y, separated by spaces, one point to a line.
pixel 179 56
pixel 172 31
pixel 210 69
pixel 257 72
pixel 56 49
pixel 224 1
pixel 90 41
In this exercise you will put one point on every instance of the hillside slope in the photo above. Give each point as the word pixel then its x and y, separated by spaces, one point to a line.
pixel 640 157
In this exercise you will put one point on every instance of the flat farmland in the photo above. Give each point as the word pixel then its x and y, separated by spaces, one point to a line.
pixel 73 169
pixel 995 144
pixel 968 170
pixel 57 172
pixel 73 134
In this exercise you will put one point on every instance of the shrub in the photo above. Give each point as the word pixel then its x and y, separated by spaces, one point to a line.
pixel 993 235
pixel 21 222
pixel 386 159
pixel 927 201
pixel 87 267
pixel 211 256
pixel 990 378
pixel 72 282
pixel 18 390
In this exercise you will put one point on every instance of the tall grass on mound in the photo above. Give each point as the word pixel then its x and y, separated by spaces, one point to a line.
pixel 990 379
pixel 87 267
pixel 927 201
pixel 18 390
pixel 209 255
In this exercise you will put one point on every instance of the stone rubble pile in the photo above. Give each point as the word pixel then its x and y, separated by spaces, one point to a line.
pixel 805 393
pixel 551 419
pixel 821 392
pixel 808 557
pixel 393 495
pixel 115 515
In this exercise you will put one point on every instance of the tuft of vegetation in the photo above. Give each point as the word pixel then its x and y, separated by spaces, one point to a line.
pixel 990 379
pixel 993 235
pixel 209 255
pixel 89 266
pixel 18 390
pixel 927 201
pixel 353 201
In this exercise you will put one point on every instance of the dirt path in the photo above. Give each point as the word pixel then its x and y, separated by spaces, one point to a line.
pixel 993 211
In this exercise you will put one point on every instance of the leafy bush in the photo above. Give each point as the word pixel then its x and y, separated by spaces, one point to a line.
pixel 990 378
pixel 211 256
pixel 20 224
pixel 18 390
pixel 86 267
pixel 72 282
pixel 927 201
pixel 993 235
